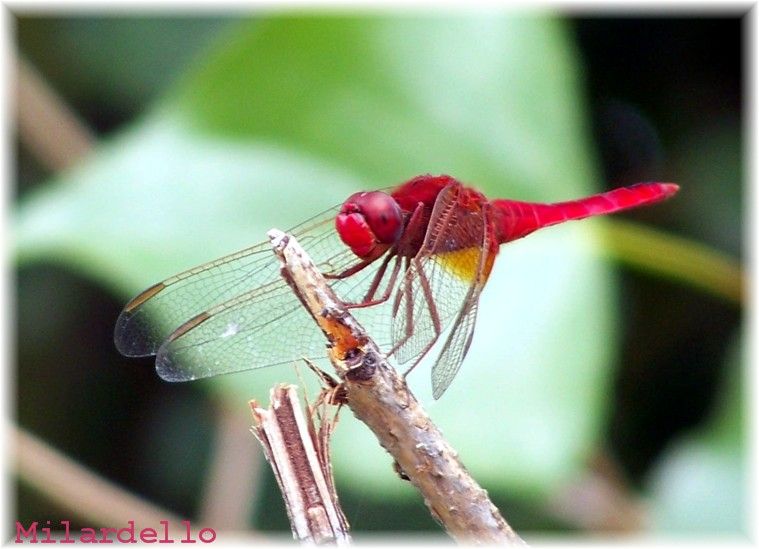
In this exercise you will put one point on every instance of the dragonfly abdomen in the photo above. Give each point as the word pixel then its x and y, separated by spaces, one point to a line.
pixel 517 219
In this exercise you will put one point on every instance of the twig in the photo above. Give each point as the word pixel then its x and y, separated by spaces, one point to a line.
pixel 46 125
pixel 301 467
pixel 235 465
pixel 600 499
pixel 81 491
pixel 379 398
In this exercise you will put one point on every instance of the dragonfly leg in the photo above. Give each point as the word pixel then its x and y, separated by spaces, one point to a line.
pixel 413 226
pixel 417 222
pixel 443 214
pixel 427 292
pixel 379 275
pixel 409 309
pixel 350 271
pixel 432 308
pixel 368 301
pixel 421 356
pixel 399 295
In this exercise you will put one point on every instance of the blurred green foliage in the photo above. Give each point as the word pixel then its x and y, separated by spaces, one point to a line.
pixel 353 103
pixel 287 115
pixel 701 484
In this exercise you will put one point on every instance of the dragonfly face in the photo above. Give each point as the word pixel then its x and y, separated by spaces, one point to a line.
pixel 369 223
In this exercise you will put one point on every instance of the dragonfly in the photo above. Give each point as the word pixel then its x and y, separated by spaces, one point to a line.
pixel 410 262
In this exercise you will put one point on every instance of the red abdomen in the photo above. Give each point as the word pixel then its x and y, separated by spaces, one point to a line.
pixel 517 219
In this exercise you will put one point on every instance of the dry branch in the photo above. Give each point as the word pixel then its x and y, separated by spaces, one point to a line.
pixel 50 129
pixel 380 398
pixel 233 473
pixel 75 488
pixel 300 463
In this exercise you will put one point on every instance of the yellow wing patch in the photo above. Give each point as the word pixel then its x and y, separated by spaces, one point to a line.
pixel 464 263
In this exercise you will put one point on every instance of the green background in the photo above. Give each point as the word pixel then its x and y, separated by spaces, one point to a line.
pixel 211 131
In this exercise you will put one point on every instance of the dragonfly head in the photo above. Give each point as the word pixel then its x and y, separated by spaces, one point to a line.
pixel 369 223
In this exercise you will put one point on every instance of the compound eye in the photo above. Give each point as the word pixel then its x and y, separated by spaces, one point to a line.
pixel 383 215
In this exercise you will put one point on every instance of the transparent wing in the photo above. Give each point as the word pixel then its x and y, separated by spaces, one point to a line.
pixel 237 313
pixel 149 318
pixel 455 349
pixel 263 327
pixel 438 280
pixel 457 345
pixel 428 299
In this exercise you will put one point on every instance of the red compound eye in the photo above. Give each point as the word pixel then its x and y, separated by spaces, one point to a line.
pixel 382 214
pixel 367 220
pixel 355 233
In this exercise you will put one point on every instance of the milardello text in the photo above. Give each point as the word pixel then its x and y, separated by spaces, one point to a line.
pixel 35 533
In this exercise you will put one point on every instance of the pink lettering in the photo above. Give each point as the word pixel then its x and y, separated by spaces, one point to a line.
pixel 165 524
pixel 46 529
pixel 88 536
pixel 129 530
pixel 127 534
pixel 146 537
pixel 31 532
pixel 67 530
pixel 210 531
pixel 105 532
pixel 188 533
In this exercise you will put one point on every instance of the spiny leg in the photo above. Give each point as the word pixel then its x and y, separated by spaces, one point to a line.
pixel 432 308
pixel 415 224
pixel 441 218
pixel 350 271
pixel 378 278
pixel 367 302
pixel 409 311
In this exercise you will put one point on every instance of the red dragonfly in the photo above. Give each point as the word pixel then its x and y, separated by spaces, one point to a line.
pixel 411 263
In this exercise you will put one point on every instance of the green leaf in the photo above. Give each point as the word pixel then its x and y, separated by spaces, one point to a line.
pixel 492 100
pixel 288 116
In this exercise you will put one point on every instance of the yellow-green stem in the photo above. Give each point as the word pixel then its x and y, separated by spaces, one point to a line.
pixel 676 257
